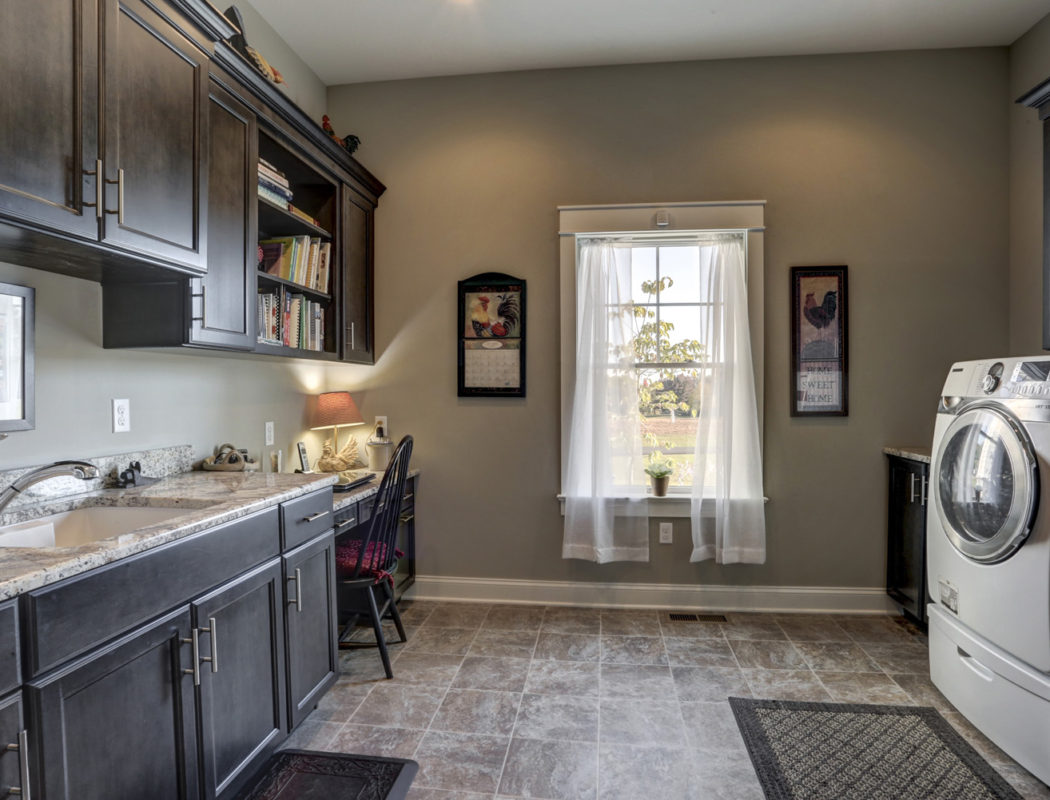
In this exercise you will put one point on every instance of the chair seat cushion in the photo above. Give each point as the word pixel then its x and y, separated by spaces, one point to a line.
pixel 375 562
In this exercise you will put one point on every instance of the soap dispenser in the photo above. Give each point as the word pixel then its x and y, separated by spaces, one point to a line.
pixel 380 449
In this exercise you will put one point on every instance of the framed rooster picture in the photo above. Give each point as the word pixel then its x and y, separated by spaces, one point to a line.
pixel 491 336
pixel 819 343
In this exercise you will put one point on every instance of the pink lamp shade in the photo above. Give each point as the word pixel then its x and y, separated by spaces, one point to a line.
pixel 334 409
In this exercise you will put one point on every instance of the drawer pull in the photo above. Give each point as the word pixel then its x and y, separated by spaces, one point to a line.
pixel 119 210
pixel 297 601
pixel 22 749
pixel 198 659
pixel 404 519
pixel 312 517
pixel 212 630
pixel 346 525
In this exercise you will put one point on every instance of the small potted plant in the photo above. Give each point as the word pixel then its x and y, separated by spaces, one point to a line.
pixel 659 471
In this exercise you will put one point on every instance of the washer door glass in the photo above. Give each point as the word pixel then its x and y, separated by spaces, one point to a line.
pixel 987 484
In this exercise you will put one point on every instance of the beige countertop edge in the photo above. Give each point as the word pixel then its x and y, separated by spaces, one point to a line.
pixel 210 499
pixel 914 453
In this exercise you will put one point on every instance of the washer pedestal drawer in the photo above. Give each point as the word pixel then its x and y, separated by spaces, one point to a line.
pixel 1007 700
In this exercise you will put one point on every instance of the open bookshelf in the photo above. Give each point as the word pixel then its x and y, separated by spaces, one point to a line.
pixel 298 214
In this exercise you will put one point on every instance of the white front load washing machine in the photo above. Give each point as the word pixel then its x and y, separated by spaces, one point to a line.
pixel 988 552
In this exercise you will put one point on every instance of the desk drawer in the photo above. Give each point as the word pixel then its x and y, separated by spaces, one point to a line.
pixel 305 517
pixel 71 617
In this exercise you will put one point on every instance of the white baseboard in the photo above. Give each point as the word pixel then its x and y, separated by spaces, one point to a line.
pixel 813 599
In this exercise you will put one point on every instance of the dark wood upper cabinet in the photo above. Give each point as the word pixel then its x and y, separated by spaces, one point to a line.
pixel 155 114
pixel 358 274
pixel 49 113
pixel 1039 99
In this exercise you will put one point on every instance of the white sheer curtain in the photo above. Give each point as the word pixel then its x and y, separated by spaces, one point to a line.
pixel 728 472
pixel 605 445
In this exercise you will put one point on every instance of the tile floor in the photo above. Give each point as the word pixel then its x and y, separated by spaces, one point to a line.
pixel 577 703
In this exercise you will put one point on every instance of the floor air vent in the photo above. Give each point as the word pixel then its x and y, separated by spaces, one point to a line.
pixel 679 616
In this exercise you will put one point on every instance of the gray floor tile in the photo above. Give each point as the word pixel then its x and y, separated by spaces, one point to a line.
pixel 497 674
pixel 922 691
pixel 836 657
pixel 633 650
pixel 699 652
pixel 550 716
pixel 448 641
pixel 703 684
pixel 630 623
pixel 753 626
pixel 782 684
pixel 467 711
pixel 514 618
pixel 460 761
pixel 425 793
pixel 363 666
pixel 989 751
pixel 313 735
pixel 875 629
pixel 899 657
pixel 812 628
pixel 630 772
pixel 564 677
pixel 560 619
pixel 432 668
pixel 712 727
pixel 726 775
pixel 692 630
pixel 1026 784
pixel 864 687
pixel 504 644
pixel 568 647
pixel 341 701
pixel 648 722
pixel 550 770
pixel 369 740
pixel 768 655
pixel 457 615
pixel 636 682
pixel 395 705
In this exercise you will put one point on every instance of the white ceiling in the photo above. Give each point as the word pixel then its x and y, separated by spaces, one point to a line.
pixel 352 41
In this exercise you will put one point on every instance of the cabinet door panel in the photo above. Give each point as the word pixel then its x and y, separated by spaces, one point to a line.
pixel 11 724
pixel 311 626
pixel 48 139
pixel 242 703
pixel 156 132
pixel 224 299
pixel 130 698
pixel 357 276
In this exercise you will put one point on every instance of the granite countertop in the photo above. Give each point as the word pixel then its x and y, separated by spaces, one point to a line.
pixel 210 499
pixel 914 453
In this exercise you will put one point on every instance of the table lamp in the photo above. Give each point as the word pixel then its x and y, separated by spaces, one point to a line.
pixel 335 410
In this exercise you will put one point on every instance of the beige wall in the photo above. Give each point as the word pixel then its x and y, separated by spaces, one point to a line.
pixel 301 84
pixel 1029 66
pixel 177 397
pixel 894 164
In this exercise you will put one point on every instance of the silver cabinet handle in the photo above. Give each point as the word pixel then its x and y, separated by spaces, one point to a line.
pixel 119 210
pixel 353 340
pixel 97 205
pixel 911 487
pixel 297 601
pixel 203 318
pixel 922 501
pixel 406 518
pixel 195 670
pixel 318 515
pixel 23 766
pixel 212 630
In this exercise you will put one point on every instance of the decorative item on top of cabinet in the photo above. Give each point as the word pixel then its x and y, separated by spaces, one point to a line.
pixel 906 539
pixel 491 336
pixel 83 205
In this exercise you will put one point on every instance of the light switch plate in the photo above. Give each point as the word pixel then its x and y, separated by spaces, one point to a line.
pixel 121 415
pixel 269 434
pixel 666 533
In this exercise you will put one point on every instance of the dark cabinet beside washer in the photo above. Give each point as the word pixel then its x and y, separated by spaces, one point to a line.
pixel 906 539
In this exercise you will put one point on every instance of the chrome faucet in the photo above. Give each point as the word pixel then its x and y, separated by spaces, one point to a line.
pixel 70 469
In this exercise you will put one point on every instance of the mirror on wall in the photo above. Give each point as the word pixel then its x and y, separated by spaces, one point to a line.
pixel 16 357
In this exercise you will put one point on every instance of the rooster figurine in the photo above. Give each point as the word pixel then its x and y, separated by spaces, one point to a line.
pixel 822 315
pixel 347 458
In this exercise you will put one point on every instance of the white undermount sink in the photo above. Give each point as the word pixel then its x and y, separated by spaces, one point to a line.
pixel 84 525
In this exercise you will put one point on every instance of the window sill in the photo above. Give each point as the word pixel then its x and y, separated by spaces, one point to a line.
pixel 671 505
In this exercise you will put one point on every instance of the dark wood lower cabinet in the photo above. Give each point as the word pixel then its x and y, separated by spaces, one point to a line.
pixel 120 722
pixel 313 664
pixel 906 543
pixel 242 688
pixel 14 767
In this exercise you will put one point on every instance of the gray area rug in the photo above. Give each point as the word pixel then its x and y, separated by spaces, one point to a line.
pixel 847 751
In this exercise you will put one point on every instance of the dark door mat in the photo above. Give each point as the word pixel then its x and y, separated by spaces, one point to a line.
pixel 847 751
pixel 308 775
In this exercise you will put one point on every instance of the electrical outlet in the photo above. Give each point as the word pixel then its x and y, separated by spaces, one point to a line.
pixel 121 415
pixel 382 421
pixel 269 434
pixel 666 533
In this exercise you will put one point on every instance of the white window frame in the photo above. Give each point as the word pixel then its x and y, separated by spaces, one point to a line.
pixel 574 222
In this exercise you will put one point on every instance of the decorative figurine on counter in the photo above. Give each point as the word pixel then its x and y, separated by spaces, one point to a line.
pixel 347 458
pixel 348 142
pixel 230 459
